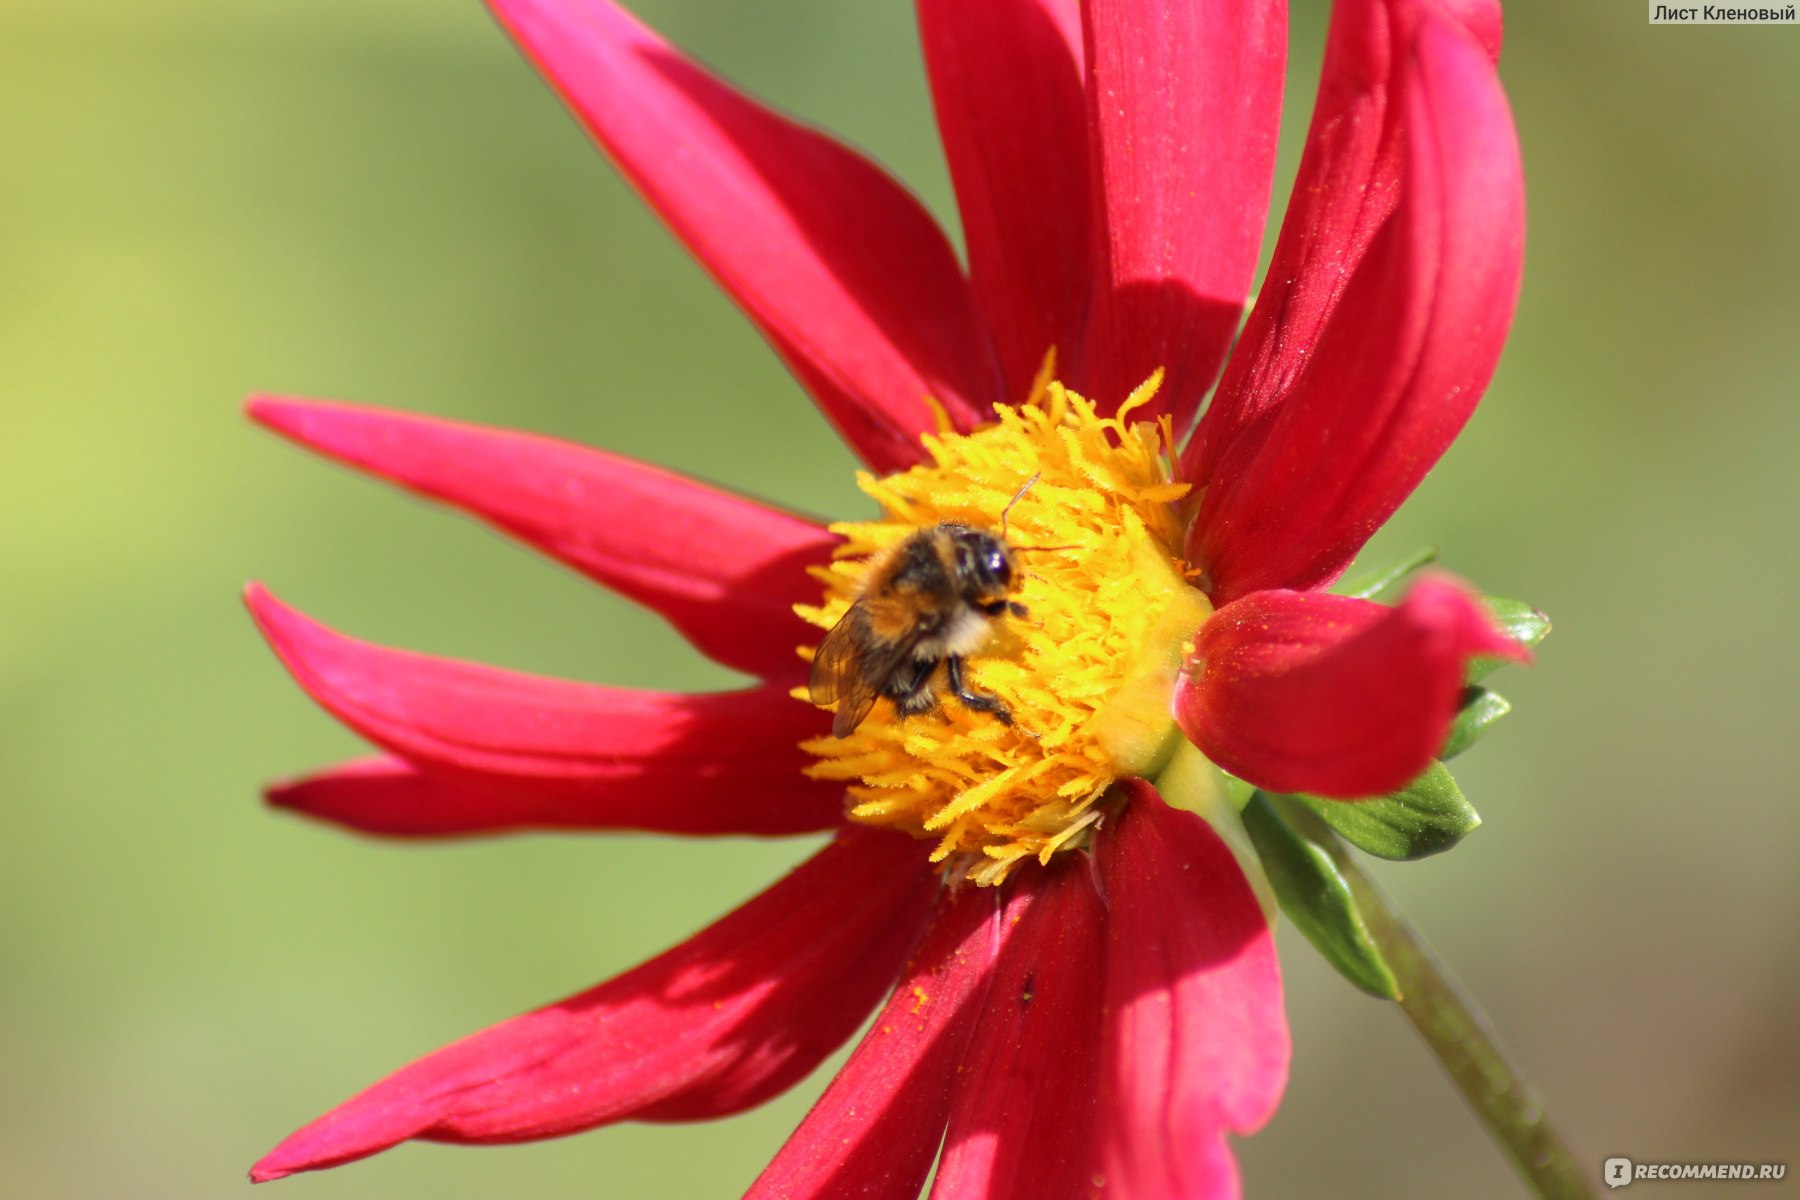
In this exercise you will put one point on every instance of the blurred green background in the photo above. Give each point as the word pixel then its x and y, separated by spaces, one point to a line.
pixel 378 200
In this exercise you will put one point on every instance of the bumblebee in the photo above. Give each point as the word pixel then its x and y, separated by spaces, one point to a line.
pixel 926 604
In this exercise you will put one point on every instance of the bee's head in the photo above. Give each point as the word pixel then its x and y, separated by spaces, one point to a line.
pixel 984 562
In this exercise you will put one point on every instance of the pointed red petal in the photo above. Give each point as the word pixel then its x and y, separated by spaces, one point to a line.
pixel 729 1018
pixel 876 1129
pixel 1349 179
pixel 726 762
pixel 1184 100
pixel 724 570
pixel 391 797
pixel 1022 1120
pixel 842 270
pixel 1196 1042
pixel 1406 354
pixel 1309 692
pixel 1006 76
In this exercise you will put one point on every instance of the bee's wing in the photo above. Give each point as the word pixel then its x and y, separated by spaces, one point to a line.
pixel 850 668
pixel 834 665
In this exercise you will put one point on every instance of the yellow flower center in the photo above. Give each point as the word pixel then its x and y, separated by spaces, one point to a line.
pixel 1085 675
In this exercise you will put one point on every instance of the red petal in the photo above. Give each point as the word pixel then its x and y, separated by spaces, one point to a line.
pixel 1195 1042
pixel 842 270
pixel 1309 692
pixel 727 762
pixel 391 797
pixel 1021 1121
pixel 724 570
pixel 729 1018
pixel 1006 76
pixel 877 1127
pixel 1349 179
pixel 1185 100
pixel 1408 350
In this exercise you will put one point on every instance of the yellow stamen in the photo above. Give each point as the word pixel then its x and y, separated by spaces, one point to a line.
pixel 1087 674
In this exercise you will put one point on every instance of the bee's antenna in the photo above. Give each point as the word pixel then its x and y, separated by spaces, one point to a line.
pixel 1017 496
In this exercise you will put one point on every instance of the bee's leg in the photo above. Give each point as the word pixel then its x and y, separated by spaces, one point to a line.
pixel 979 701
pixel 911 704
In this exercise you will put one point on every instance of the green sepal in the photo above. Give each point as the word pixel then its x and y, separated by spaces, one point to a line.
pixel 1366 584
pixel 1426 817
pixel 1240 792
pixel 1317 899
pixel 1518 621
pixel 1480 709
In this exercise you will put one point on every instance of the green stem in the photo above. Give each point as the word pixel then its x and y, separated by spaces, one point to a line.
pixel 1455 1028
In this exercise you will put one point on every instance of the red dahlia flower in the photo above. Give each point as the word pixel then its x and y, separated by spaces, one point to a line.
pixel 1107 1007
